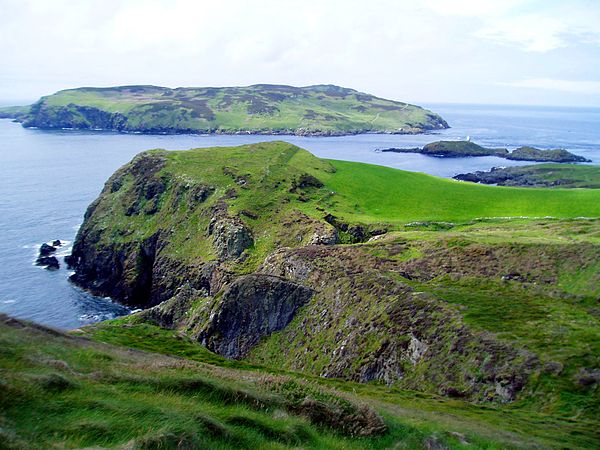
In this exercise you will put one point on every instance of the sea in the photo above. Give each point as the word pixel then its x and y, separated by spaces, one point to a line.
pixel 48 178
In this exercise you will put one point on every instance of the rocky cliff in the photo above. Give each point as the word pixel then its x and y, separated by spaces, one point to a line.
pixel 245 251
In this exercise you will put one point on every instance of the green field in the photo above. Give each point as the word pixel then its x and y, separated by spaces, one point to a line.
pixel 395 196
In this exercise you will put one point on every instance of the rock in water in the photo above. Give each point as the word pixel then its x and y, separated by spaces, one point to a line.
pixel 49 262
pixel 46 249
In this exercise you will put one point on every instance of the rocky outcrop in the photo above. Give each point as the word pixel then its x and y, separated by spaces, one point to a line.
pixel 543 175
pixel 251 307
pixel 230 236
pixel 49 262
pixel 451 149
pixel 363 326
pixel 535 154
pixel 462 149
pixel 46 256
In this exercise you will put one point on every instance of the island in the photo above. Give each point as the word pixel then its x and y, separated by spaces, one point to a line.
pixel 539 175
pixel 257 109
pixel 461 149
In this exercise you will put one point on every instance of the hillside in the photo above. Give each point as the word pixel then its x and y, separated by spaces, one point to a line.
pixel 261 109
pixel 274 276
pixel 59 391
pixel 267 255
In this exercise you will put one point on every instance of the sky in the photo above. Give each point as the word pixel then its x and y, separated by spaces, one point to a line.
pixel 539 52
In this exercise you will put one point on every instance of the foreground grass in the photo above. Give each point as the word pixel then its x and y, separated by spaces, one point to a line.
pixel 421 417
pixel 62 392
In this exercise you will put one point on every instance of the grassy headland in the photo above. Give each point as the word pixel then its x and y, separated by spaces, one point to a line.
pixel 465 315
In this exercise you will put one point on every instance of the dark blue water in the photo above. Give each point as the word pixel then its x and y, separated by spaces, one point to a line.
pixel 47 179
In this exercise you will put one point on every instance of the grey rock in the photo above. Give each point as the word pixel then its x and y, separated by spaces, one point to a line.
pixel 253 306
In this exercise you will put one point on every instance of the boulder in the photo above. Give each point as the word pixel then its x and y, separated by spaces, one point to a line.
pixel 46 249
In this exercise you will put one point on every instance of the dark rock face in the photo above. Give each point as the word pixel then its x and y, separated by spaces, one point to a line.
pixel 253 306
pixel 46 249
pixel 122 270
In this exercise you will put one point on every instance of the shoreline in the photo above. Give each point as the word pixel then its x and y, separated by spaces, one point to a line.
pixel 304 133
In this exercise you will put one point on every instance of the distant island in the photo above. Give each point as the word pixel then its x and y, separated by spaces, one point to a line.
pixel 259 109
pixel 538 175
pixel 461 149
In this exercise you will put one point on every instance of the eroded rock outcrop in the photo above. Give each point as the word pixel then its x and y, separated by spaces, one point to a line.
pixel 365 326
pixel 251 307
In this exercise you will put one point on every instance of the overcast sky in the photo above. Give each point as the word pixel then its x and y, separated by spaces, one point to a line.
pixel 468 51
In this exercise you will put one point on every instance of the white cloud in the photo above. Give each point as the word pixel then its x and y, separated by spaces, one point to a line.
pixel 530 33
pixel 574 86
pixel 430 50
pixel 474 8
pixel 559 25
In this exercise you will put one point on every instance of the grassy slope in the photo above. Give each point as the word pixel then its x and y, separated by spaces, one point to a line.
pixel 61 392
pixel 394 196
pixel 252 108
pixel 557 319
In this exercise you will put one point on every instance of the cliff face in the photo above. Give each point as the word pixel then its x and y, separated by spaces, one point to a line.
pixel 238 249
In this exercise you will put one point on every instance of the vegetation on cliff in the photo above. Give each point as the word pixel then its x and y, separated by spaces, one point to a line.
pixel 263 108
pixel 460 149
pixel 268 255
pixel 443 305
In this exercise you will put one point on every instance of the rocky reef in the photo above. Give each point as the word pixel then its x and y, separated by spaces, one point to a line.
pixel 542 175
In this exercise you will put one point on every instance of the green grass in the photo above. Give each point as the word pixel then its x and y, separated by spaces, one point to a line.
pixel 391 195
pixel 63 392
pixel 416 415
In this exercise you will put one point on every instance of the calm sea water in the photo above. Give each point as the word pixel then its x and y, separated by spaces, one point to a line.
pixel 47 179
